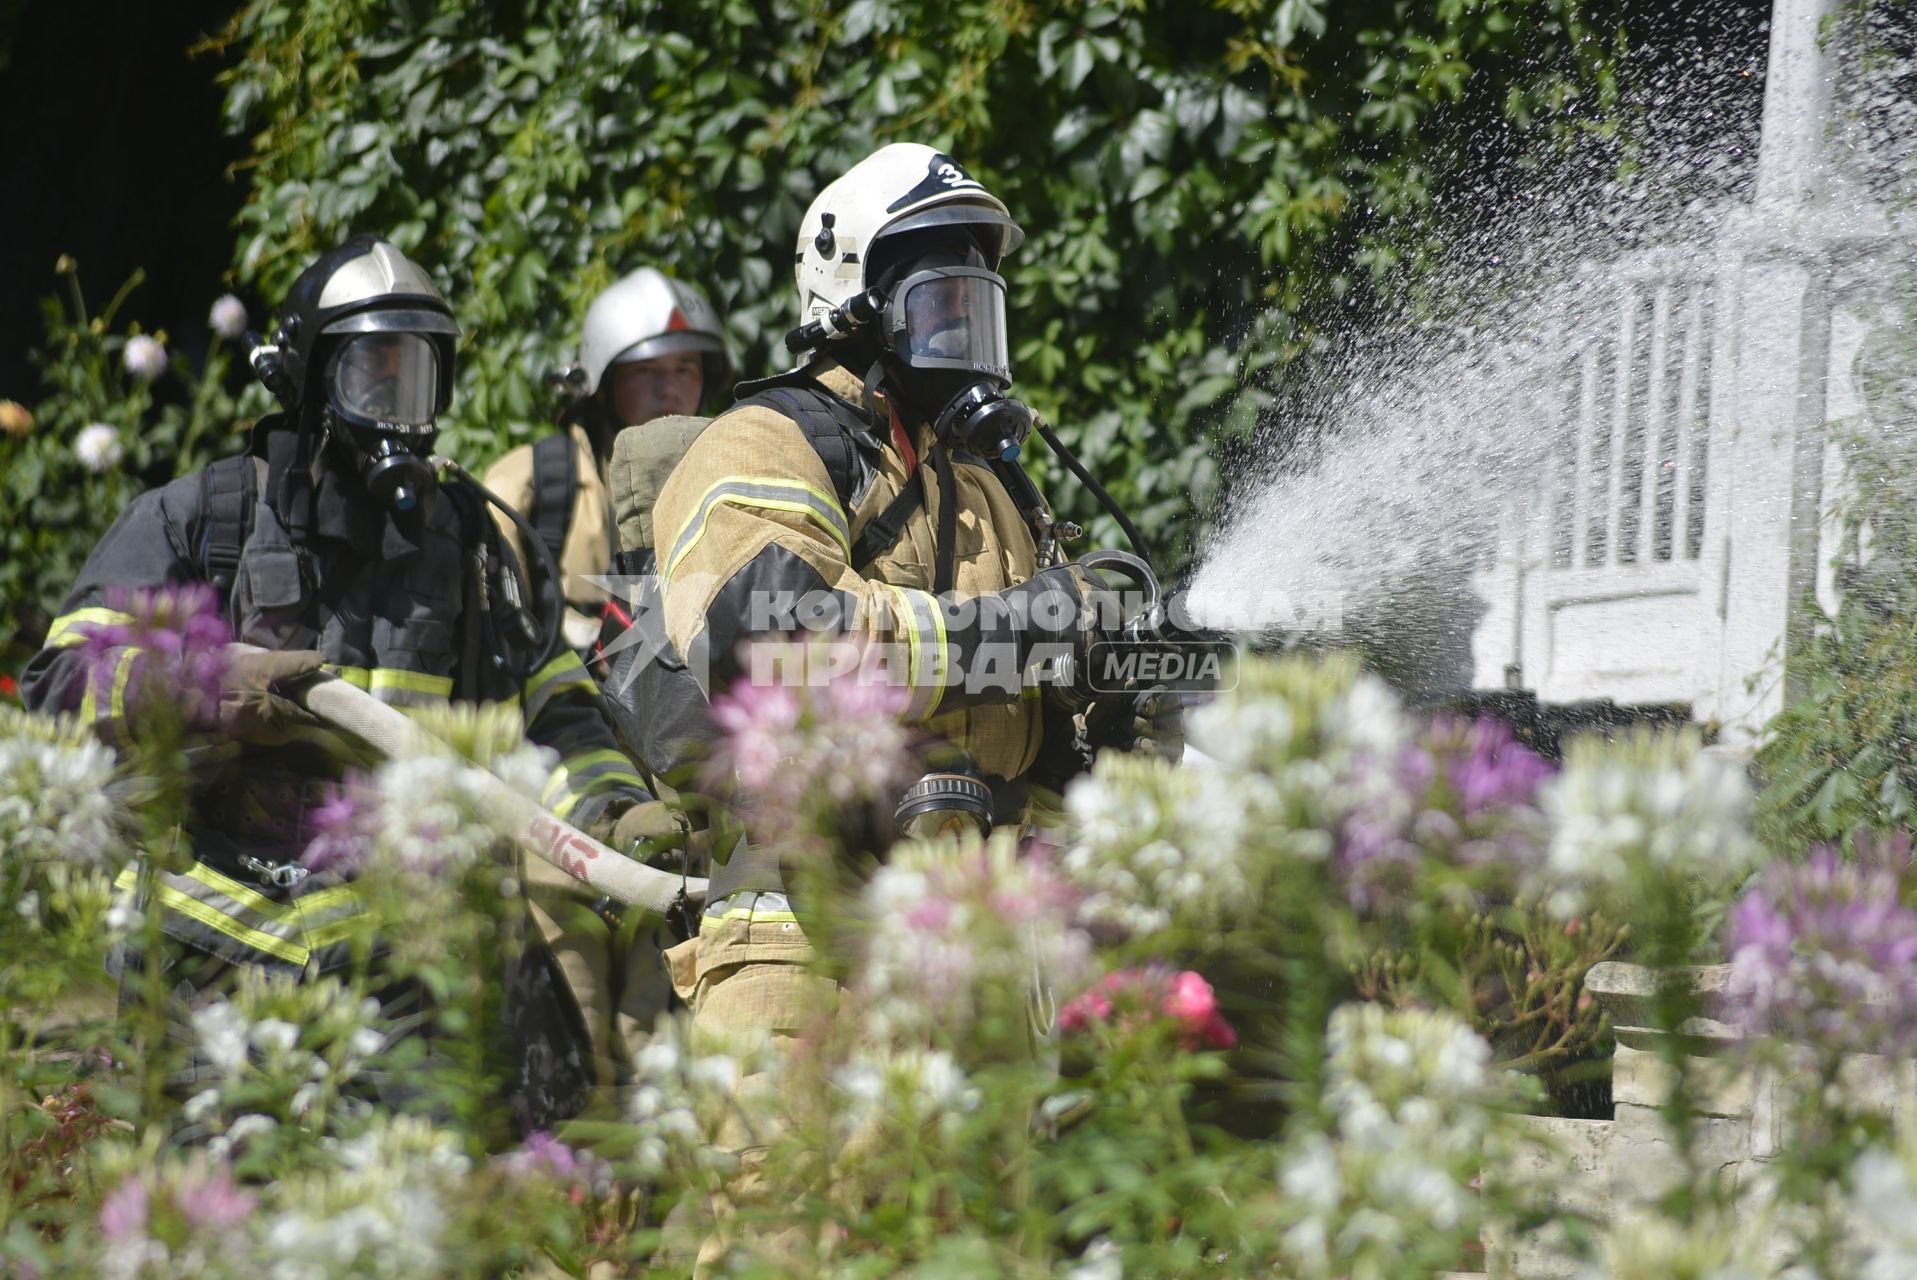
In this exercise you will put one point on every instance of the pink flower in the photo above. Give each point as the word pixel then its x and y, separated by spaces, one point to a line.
pixel 544 1156
pixel 1130 997
pixel 123 1212
pixel 170 651
pixel 341 840
pixel 800 753
pixel 210 1201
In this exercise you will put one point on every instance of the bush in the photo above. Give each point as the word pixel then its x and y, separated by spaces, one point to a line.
pixel 124 411
pixel 1261 1015
pixel 1201 185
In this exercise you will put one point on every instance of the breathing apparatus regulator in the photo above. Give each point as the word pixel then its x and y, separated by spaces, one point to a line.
pixel 362 361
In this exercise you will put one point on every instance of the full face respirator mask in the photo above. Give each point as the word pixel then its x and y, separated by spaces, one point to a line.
pixel 383 394
pixel 943 331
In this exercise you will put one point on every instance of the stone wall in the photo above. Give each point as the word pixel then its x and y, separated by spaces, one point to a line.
pixel 1604 1171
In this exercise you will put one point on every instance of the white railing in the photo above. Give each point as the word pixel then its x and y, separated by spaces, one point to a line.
pixel 1683 509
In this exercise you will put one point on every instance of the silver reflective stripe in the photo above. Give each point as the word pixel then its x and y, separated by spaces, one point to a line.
pixel 767 494
pixel 749 906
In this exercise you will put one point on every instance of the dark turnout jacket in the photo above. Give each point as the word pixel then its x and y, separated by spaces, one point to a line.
pixel 391 603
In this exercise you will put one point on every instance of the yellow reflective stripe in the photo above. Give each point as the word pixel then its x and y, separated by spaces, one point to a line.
pixel 772 493
pixel 563 674
pixel 65 631
pixel 749 915
pixel 926 666
pixel 412 682
pixel 311 904
pixel 122 674
pixel 337 930
pixel 213 918
pixel 377 679
pixel 571 766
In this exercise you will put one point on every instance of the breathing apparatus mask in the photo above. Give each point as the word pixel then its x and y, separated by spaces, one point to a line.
pixel 384 391
pixel 944 340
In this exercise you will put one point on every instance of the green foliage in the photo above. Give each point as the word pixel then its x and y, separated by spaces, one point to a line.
pixel 1200 183
pixel 53 505
pixel 1839 759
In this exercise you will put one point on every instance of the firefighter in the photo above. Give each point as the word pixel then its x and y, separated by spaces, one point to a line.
pixel 878 482
pixel 651 347
pixel 332 543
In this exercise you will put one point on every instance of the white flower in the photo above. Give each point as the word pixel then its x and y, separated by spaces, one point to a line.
pixel 144 357
pixel 28 907
pixel 98 448
pixel 960 929
pixel 1642 811
pixel 123 917
pixel 719 1073
pixel 221 1031
pixel 55 800
pixel 275 1036
pixel 1413 1103
pixel 228 317
pixel 1102 1260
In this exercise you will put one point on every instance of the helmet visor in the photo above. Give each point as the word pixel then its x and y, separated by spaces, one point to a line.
pixel 388 377
pixel 956 317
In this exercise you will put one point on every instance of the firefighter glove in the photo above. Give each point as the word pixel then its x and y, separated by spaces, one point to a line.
pixel 251 708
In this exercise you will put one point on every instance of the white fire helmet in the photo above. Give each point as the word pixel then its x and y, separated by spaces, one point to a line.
pixel 646 315
pixel 902 187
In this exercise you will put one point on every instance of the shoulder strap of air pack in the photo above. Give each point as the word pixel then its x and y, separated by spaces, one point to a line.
pixel 228 489
pixel 841 434
pixel 555 488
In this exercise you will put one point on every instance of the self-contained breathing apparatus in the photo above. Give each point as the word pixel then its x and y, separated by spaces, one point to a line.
pixel 978 418
pixel 362 361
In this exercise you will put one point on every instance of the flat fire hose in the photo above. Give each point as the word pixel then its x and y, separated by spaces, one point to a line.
pixel 390 732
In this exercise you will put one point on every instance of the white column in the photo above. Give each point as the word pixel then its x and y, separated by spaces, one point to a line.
pixel 1779 411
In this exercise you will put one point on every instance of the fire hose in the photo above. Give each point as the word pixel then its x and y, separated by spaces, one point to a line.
pixel 612 873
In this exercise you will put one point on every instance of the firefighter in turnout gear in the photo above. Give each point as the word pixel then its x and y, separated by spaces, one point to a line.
pixel 332 542
pixel 651 347
pixel 879 483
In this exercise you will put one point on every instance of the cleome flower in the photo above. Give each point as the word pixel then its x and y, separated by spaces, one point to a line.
pixel 691 1098
pixel 1650 809
pixel 166 656
pixel 959 931
pixel 175 1220
pixel 1825 954
pixel 427 817
pixel 1464 794
pixel 1388 1189
pixel 544 1157
pixel 1296 746
pixel 799 753
pixel 382 1209
pixel 56 792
